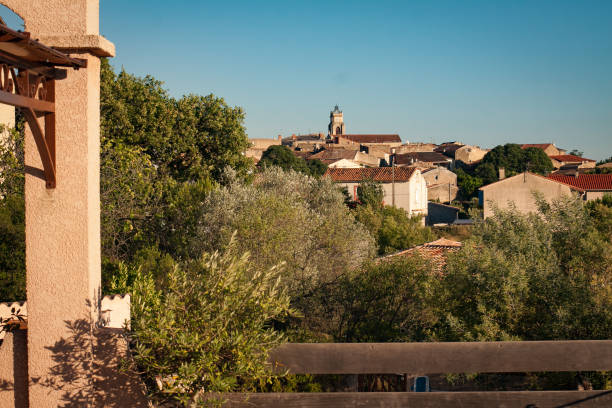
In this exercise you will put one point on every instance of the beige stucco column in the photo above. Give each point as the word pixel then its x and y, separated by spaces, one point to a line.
pixel 63 224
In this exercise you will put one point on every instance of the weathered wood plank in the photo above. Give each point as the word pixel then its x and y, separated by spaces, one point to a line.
pixel 508 399
pixel 440 358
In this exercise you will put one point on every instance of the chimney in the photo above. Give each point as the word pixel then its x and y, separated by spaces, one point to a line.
pixel 293 137
pixel 280 137
pixel 502 173
pixel 576 173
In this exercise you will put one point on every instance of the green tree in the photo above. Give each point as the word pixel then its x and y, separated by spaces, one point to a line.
pixel 189 138
pixel 608 160
pixel 468 184
pixel 12 215
pixel 284 216
pixel 576 152
pixel 517 160
pixel 370 193
pixel 386 301
pixel 531 277
pixel 206 328
pixel 283 157
pixel 393 228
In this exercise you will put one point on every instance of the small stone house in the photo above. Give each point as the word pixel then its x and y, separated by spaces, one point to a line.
pixel 549 148
pixel 519 190
pixel 441 184
pixel 569 160
pixel 403 187
pixel 333 156
pixel 470 154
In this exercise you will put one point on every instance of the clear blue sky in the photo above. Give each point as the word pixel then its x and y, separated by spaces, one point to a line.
pixel 482 72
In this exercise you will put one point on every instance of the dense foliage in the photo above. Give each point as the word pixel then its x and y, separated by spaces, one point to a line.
pixel 392 228
pixel 533 277
pixel 285 217
pixel 12 216
pixel 283 157
pixel 206 328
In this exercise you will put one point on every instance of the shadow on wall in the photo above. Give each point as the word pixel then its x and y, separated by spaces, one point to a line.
pixel 90 368
pixel 104 353
pixel 14 370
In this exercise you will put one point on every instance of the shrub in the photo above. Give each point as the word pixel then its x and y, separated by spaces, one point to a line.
pixel 206 328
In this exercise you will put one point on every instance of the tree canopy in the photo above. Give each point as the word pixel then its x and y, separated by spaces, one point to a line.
pixel 283 157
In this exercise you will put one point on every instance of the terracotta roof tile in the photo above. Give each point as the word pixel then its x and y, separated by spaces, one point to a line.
pixel 380 174
pixel 372 138
pixel 436 252
pixel 538 145
pixel 428 157
pixel 585 181
pixel 570 158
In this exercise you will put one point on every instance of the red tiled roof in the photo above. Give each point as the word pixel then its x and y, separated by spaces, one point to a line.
pixel 538 145
pixel 436 252
pixel 373 138
pixel 380 174
pixel 570 158
pixel 585 181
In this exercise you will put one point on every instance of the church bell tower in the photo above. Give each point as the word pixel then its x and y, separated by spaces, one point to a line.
pixel 336 122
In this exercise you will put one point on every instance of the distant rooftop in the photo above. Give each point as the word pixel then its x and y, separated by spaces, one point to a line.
pixel 379 174
pixel 597 182
pixel 570 158
pixel 436 252
pixel 373 138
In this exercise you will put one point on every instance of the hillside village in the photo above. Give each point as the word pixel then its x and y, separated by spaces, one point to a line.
pixel 152 255
pixel 422 177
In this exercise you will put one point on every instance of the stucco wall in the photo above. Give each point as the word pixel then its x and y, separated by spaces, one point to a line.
pixel 411 196
pixel 596 195
pixel 415 147
pixel 14 370
pixel 441 184
pixel 519 190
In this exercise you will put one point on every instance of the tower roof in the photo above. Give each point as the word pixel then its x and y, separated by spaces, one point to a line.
pixel 336 109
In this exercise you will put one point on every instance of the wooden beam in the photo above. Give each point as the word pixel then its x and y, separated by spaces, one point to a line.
pixel 502 399
pixel 24 102
pixel 443 358
pixel 42 146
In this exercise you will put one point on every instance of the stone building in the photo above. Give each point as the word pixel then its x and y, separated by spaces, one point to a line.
pixel 336 122
pixel 403 187
pixel 415 147
pixel 441 184
pixel 565 161
pixel 470 154
pixel 331 156
pixel 422 159
pixel 258 146
pixel 519 191
pixel 549 148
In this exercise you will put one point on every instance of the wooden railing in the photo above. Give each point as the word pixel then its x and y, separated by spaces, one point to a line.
pixel 437 358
